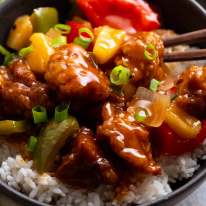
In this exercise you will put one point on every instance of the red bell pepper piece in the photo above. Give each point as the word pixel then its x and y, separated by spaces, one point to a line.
pixel 169 143
pixel 75 26
pixel 130 15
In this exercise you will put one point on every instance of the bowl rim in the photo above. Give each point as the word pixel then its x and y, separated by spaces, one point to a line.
pixel 192 183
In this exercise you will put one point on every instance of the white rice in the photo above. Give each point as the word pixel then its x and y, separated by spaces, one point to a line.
pixel 20 175
pixel 174 169
pixel 150 188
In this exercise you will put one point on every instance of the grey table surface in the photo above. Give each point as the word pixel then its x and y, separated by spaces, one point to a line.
pixel 198 198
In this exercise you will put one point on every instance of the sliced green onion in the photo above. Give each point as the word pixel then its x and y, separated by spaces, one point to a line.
pixel 31 146
pixel 8 57
pixel 120 75
pixel 39 114
pixel 140 116
pixel 59 41
pixel 154 84
pixel 81 43
pixel 4 51
pixel 150 52
pixel 25 51
pixel 89 35
pixel 85 37
pixel 61 112
pixel 63 28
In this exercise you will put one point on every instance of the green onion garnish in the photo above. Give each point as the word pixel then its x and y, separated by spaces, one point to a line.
pixel 154 84
pixel 150 52
pixel 25 51
pixel 8 57
pixel 86 34
pixel 81 43
pixel 63 28
pixel 85 37
pixel 39 114
pixel 4 51
pixel 59 41
pixel 31 146
pixel 61 112
pixel 120 75
pixel 140 116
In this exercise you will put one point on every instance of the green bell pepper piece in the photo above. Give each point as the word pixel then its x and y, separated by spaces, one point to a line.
pixel 51 139
pixel 8 127
pixel 44 18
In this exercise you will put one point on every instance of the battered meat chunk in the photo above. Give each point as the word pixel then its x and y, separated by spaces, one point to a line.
pixel 86 165
pixel 72 73
pixel 20 72
pixel 20 91
pixel 127 138
pixel 191 89
pixel 132 56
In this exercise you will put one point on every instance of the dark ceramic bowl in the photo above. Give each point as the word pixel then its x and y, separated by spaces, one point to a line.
pixel 179 15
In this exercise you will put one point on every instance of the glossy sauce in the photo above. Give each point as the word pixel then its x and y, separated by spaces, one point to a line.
pixel 127 138
pixel 20 91
pixel 191 89
pixel 132 56
pixel 72 72
pixel 86 156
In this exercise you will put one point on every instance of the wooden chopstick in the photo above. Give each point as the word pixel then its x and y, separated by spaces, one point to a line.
pixel 187 38
pixel 189 55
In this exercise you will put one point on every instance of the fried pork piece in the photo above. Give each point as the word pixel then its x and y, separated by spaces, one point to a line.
pixel 20 90
pixel 191 90
pixel 86 165
pixel 72 73
pixel 132 56
pixel 127 138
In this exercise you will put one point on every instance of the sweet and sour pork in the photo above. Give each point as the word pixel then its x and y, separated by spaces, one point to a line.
pixel 72 72
pixel 127 138
pixel 20 91
pixel 86 164
pixel 132 55
pixel 191 90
